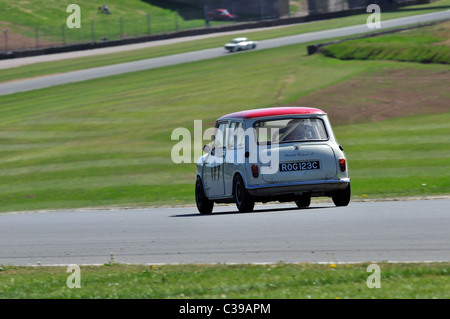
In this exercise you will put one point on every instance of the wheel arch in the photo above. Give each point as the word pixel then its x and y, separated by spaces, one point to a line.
pixel 199 177
pixel 244 179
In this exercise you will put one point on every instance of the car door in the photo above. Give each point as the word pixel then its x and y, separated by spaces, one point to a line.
pixel 214 164
pixel 234 158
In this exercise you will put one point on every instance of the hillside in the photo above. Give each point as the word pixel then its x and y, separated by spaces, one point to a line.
pixel 33 24
pixel 53 12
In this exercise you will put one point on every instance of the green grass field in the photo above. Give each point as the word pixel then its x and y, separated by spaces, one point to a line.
pixel 107 141
pixel 274 281
pixel 399 157
pixel 130 18
pixel 423 45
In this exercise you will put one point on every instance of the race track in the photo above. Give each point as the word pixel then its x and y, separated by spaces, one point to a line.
pixel 415 230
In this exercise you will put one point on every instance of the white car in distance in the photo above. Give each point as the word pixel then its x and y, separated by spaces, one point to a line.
pixel 239 44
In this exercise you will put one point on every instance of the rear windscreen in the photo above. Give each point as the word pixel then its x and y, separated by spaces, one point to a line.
pixel 290 130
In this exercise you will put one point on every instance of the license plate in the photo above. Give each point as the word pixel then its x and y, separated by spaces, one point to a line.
pixel 299 166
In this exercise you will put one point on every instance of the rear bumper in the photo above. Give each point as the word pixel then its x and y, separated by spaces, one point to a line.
pixel 298 187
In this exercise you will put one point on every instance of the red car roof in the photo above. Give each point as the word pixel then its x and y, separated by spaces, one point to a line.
pixel 273 111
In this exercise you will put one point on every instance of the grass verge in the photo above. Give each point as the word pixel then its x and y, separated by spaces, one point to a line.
pixel 399 157
pixel 274 281
pixel 424 45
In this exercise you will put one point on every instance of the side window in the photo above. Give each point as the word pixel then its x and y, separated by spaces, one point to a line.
pixel 237 136
pixel 219 140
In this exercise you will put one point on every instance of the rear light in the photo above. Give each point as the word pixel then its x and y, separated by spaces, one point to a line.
pixel 342 164
pixel 255 170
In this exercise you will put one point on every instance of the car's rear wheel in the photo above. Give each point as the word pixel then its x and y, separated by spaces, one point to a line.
pixel 303 201
pixel 204 205
pixel 244 201
pixel 342 197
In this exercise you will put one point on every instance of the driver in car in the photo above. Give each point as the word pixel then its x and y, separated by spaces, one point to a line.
pixel 297 130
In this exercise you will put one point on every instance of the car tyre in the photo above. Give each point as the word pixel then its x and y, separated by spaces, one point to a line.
pixel 244 201
pixel 303 201
pixel 204 205
pixel 342 197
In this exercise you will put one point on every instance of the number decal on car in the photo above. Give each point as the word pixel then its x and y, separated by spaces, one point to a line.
pixel 299 166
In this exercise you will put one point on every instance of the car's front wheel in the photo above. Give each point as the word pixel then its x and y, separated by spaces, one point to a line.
pixel 342 197
pixel 204 205
pixel 244 201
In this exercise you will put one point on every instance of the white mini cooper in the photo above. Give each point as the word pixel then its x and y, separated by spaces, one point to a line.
pixel 272 154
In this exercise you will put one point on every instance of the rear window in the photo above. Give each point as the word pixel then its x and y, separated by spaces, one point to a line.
pixel 290 130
